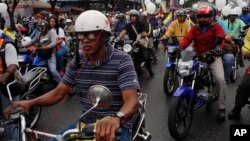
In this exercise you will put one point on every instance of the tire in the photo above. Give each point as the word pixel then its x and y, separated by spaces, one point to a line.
pixel 34 113
pixel 179 107
pixel 170 84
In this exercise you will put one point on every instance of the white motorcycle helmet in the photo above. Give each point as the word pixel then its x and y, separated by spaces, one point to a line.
pixel 233 12
pixel 26 41
pixel 68 21
pixel 92 20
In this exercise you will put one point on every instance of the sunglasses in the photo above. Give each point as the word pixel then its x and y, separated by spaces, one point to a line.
pixel 204 16
pixel 41 28
pixel 90 36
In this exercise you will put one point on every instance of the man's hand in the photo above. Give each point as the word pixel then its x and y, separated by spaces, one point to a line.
pixel 25 104
pixel 105 130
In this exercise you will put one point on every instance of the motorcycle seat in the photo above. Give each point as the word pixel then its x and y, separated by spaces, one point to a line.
pixel 29 77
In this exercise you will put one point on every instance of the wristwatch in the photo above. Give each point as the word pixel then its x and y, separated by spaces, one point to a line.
pixel 120 115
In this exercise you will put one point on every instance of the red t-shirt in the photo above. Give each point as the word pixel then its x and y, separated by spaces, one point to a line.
pixel 203 41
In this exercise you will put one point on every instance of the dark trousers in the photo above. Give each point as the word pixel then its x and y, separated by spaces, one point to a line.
pixel 243 92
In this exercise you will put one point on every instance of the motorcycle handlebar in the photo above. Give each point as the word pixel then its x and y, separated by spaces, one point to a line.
pixel 87 133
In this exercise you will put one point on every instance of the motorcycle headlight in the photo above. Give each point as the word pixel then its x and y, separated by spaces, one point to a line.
pixel 20 58
pixel 171 49
pixel 185 68
pixel 127 48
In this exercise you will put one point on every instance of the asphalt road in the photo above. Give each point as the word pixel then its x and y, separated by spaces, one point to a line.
pixel 205 127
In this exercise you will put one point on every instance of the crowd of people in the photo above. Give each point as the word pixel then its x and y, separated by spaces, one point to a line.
pixel 201 29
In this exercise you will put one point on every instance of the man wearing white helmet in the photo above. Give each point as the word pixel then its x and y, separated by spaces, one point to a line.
pixel 99 64
pixel 234 24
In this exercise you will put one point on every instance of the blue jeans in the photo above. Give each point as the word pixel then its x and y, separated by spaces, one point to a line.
pixel 52 68
pixel 60 55
pixel 228 61
pixel 126 134
pixel 11 131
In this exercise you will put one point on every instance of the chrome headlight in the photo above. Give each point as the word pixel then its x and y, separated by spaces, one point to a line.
pixel 20 58
pixel 127 48
pixel 185 68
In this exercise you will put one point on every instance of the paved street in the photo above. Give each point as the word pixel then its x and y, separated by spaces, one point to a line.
pixel 205 127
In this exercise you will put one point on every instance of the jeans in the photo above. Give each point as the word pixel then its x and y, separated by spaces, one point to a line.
pixel 228 61
pixel 126 134
pixel 11 131
pixel 60 55
pixel 52 68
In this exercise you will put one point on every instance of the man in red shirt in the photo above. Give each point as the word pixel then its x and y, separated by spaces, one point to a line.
pixel 208 35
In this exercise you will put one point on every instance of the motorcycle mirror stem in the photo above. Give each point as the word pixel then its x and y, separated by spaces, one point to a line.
pixel 94 106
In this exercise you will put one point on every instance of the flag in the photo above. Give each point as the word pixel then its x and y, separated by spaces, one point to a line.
pixel 168 19
pixel 7 35
pixel 20 27
pixel 163 7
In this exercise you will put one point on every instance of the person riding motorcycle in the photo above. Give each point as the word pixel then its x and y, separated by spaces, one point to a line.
pixel 44 33
pixel 8 66
pixel 245 15
pixel 242 93
pixel 234 24
pixel 179 27
pixel 99 64
pixel 137 32
pixel 134 24
pixel 145 19
pixel 119 25
pixel 208 35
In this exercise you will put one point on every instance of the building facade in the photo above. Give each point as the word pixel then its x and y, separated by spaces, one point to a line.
pixel 102 5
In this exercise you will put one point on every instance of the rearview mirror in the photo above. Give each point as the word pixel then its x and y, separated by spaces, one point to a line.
pixel 100 94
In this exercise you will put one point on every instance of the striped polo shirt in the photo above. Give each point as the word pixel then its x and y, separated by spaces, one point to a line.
pixel 115 71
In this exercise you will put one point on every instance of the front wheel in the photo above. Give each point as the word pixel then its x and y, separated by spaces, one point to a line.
pixel 170 81
pixel 180 117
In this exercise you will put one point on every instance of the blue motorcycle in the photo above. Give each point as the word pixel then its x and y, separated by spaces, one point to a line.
pixel 31 57
pixel 171 79
pixel 197 87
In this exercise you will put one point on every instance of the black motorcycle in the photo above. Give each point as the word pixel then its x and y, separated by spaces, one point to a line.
pixel 142 56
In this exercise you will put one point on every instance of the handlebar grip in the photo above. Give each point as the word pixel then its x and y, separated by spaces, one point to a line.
pixel 89 130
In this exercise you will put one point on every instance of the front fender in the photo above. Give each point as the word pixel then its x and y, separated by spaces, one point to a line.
pixel 184 91
pixel 170 64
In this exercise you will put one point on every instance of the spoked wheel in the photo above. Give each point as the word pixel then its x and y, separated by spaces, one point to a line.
pixel 170 82
pixel 34 113
pixel 180 117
